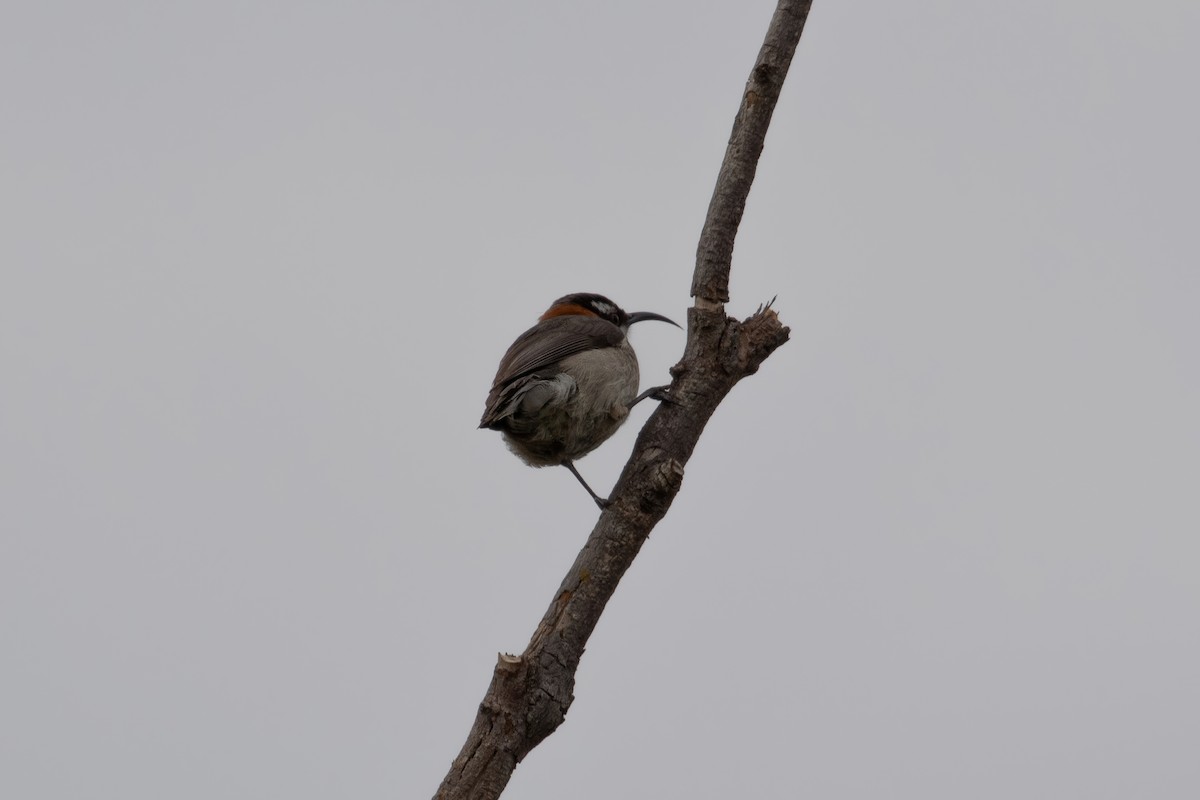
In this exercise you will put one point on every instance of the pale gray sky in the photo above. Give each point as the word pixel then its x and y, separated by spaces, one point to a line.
pixel 259 261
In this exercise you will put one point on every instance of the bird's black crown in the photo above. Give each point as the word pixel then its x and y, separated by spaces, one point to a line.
pixel 597 304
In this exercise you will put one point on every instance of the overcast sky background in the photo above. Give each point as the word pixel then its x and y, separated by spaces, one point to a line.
pixel 259 262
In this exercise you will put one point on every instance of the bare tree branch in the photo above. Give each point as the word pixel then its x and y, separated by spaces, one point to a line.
pixel 710 282
pixel 530 693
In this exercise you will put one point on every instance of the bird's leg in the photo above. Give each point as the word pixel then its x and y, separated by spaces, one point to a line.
pixel 600 501
pixel 659 393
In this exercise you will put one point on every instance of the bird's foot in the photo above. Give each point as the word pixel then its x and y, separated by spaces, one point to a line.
pixel 660 393
pixel 600 501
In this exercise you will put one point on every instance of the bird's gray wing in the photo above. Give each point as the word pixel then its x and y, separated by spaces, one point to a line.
pixel 551 341
pixel 544 345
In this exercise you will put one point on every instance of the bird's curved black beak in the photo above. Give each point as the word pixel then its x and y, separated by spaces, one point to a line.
pixel 642 316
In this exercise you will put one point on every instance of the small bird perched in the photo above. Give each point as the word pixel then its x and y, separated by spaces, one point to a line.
pixel 567 383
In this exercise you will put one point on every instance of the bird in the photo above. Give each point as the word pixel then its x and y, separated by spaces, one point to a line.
pixel 567 384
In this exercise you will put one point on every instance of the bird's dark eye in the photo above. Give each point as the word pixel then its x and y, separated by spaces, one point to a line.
pixel 606 311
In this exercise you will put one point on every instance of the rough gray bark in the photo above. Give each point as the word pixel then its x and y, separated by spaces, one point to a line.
pixel 530 693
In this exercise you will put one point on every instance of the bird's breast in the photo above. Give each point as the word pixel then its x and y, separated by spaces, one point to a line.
pixel 607 379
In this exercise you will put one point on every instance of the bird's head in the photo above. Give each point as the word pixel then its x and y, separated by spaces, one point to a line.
pixel 597 305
